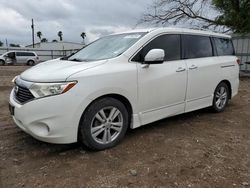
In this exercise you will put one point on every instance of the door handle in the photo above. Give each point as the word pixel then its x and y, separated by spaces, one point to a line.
pixel 180 69
pixel 193 67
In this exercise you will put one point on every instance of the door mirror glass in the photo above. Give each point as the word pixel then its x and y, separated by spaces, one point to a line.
pixel 154 56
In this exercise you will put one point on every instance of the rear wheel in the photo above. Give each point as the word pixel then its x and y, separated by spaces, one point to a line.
pixel 221 97
pixel 2 62
pixel 104 124
pixel 30 63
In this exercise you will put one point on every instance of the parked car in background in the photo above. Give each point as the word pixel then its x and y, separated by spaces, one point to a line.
pixel 19 57
pixel 125 81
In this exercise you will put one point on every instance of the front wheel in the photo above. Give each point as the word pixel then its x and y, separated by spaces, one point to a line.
pixel 221 97
pixel 104 124
pixel 2 62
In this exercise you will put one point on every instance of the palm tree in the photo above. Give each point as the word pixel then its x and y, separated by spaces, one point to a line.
pixel 39 35
pixel 60 34
pixel 44 40
pixel 83 35
pixel 15 45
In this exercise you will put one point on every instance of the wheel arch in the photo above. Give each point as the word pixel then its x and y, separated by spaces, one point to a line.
pixel 3 60
pixel 227 82
pixel 120 98
pixel 27 62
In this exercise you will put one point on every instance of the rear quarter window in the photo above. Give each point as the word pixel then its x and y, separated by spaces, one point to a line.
pixel 224 46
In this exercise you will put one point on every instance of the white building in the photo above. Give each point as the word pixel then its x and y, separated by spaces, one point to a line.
pixel 57 45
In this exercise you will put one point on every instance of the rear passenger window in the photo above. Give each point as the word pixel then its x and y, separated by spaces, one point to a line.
pixel 197 46
pixel 30 54
pixel 224 46
pixel 25 54
pixel 169 43
pixel 18 53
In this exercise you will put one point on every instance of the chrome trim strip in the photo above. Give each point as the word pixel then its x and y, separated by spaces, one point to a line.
pixel 225 66
pixel 167 106
pixel 199 98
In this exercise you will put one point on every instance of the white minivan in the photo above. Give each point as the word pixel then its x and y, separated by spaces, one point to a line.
pixel 19 57
pixel 123 81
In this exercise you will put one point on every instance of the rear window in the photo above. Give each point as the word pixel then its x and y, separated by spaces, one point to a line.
pixel 25 54
pixel 224 46
pixel 197 46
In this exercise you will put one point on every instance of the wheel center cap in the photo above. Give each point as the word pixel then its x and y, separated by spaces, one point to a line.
pixel 107 125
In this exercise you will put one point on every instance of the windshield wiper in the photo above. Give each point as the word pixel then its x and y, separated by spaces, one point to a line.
pixel 75 59
pixel 64 58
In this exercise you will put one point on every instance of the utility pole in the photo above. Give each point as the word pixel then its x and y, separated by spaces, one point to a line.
pixel 6 42
pixel 33 38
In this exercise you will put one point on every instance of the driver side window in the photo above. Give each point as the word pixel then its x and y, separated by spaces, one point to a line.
pixel 10 55
pixel 169 43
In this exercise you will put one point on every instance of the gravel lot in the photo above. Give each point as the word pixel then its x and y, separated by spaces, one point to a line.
pixel 198 149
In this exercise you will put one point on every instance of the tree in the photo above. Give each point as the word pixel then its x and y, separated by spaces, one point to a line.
pixel 54 40
pixel 227 15
pixel 83 35
pixel 44 40
pixel 39 35
pixel 15 45
pixel 1 43
pixel 60 34
pixel 234 14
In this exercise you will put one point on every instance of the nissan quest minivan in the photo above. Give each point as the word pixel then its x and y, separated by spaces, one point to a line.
pixel 123 81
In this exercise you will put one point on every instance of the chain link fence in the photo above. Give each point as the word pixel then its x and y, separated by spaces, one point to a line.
pixel 241 44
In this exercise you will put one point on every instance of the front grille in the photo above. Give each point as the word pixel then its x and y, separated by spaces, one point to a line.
pixel 22 94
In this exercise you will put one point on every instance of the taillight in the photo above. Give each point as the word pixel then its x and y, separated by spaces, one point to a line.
pixel 238 61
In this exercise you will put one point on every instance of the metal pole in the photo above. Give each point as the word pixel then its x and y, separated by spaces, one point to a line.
pixel 6 42
pixel 33 38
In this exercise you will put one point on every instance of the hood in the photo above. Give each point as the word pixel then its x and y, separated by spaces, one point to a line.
pixel 57 70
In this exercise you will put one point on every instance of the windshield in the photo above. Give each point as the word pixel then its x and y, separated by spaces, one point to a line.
pixel 107 47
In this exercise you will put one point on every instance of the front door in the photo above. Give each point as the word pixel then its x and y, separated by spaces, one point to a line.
pixel 162 87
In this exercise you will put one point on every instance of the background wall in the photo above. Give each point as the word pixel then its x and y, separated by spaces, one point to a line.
pixel 242 48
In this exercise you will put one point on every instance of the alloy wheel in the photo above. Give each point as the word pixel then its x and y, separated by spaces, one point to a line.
pixel 106 125
pixel 221 97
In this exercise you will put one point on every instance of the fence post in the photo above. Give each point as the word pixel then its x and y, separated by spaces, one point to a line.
pixel 52 54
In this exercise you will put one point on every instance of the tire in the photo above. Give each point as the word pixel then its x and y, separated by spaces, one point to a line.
pixel 221 97
pixel 104 124
pixel 31 63
pixel 2 62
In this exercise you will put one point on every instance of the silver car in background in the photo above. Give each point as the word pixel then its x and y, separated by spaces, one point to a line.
pixel 19 57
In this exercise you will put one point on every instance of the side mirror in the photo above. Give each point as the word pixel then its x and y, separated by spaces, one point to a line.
pixel 154 56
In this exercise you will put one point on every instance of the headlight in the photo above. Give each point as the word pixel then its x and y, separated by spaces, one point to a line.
pixel 48 89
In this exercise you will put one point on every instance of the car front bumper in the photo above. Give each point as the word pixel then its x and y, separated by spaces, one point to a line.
pixel 52 119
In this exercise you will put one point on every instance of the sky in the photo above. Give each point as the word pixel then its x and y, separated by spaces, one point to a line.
pixel 94 17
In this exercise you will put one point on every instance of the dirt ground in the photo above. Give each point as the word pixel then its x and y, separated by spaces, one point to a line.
pixel 198 149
